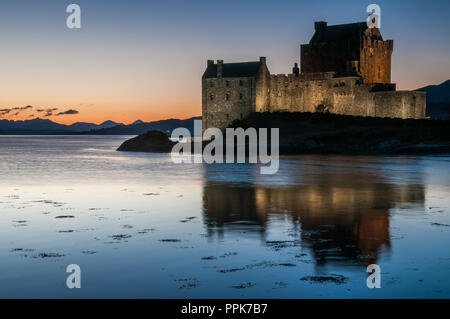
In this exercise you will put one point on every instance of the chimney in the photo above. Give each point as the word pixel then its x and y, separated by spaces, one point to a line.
pixel 219 68
pixel 295 69
pixel 262 59
pixel 210 63
pixel 320 25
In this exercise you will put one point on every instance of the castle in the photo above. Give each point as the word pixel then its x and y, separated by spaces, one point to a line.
pixel 345 69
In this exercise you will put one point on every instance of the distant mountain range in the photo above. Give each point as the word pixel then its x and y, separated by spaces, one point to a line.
pixel 140 127
pixel 46 127
pixel 37 126
pixel 438 100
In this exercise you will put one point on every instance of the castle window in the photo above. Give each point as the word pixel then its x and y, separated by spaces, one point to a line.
pixel 242 116
pixel 211 97
pixel 227 97
pixel 241 96
pixel 228 116
pixel 227 83
pixel 241 83
pixel 211 116
pixel 211 84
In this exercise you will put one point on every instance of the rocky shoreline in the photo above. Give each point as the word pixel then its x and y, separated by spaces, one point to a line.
pixel 317 133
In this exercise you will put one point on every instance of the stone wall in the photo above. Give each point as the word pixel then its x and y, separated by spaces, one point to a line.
pixel 227 99
pixel 400 104
pixel 345 96
pixel 328 56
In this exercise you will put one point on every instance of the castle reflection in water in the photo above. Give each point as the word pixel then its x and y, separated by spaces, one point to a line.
pixel 341 216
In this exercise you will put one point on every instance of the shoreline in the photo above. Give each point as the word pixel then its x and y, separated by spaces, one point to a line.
pixel 319 133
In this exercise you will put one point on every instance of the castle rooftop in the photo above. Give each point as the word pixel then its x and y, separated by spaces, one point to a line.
pixel 340 32
pixel 232 70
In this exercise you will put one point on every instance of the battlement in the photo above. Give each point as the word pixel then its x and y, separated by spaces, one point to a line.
pixel 305 76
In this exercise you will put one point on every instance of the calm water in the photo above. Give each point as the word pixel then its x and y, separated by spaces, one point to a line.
pixel 140 226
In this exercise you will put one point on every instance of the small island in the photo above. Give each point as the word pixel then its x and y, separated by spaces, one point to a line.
pixel 150 142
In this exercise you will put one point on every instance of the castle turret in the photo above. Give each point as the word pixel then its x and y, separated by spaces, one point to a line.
pixel 296 69
pixel 219 68
pixel 320 25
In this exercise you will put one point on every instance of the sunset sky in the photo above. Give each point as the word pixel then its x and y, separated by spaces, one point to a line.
pixel 144 60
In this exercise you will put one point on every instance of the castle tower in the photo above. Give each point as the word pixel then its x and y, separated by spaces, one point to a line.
pixel 348 49
pixel 231 91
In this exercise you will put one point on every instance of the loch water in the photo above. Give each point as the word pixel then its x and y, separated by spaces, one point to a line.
pixel 141 226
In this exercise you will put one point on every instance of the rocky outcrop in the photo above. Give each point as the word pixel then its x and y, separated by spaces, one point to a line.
pixel 151 142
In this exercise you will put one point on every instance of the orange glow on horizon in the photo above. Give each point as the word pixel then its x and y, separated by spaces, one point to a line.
pixel 116 116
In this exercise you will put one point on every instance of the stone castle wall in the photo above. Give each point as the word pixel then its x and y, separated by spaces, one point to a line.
pixel 345 96
pixel 228 99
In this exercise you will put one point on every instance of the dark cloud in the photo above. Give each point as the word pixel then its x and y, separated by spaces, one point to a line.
pixel 17 110
pixel 22 108
pixel 48 112
pixel 68 112
pixel 4 111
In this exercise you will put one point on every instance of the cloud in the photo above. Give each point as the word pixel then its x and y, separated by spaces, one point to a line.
pixel 17 110
pixel 68 112
pixel 48 112
pixel 22 108
pixel 4 111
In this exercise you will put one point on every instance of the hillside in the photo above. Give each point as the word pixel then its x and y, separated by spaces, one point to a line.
pixel 166 126
pixel 438 100
pixel 46 127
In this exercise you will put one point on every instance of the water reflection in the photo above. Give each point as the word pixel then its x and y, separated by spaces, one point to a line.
pixel 342 217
